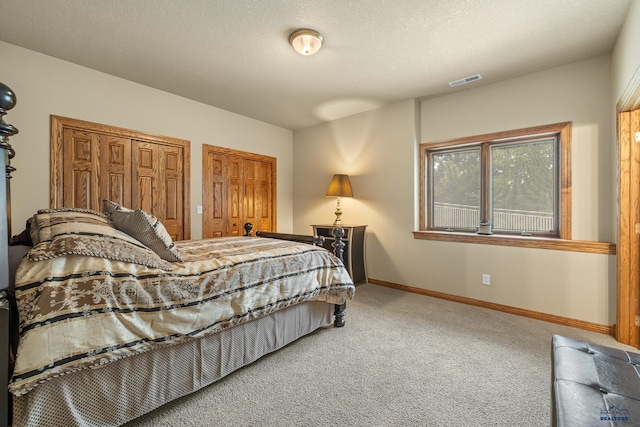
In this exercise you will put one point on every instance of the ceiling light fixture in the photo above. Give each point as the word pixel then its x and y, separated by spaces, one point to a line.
pixel 306 42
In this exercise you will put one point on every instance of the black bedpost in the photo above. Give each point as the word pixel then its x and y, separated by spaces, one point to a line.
pixel 7 102
pixel 338 250
pixel 338 245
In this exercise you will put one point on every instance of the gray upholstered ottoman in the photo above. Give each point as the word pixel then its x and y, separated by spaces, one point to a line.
pixel 593 385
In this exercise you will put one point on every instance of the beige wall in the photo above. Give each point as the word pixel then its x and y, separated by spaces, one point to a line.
pixel 46 86
pixel 379 150
pixel 579 93
pixel 625 62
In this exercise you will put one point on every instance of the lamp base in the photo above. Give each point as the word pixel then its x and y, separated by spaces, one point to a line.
pixel 338 213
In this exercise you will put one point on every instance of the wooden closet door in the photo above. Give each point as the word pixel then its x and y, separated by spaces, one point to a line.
pixel 265 205
pixel 223 195
pixel 145 190
pixel 214 182
pixel 115 170
pixel 82 169
pixel 92 161
pixel 257 194
pixel 158 184
pixel 97 167
pixel 238 187
pixel 171 184
pixel 235 196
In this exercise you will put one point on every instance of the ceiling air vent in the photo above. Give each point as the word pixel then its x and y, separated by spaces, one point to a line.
pixel 465 80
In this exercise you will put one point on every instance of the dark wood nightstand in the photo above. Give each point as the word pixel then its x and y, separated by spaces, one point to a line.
pixel 354 258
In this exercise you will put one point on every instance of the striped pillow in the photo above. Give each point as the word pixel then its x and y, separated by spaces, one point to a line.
pixel 148 230
pixel 81 232
pixel 46 222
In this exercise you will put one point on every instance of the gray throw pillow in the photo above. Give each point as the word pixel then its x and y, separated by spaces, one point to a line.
pixel 148 230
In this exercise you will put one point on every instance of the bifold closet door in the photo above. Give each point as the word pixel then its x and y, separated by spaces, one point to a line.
pixel 159 183
pixel 237 187
pixel 96 167
pixel 91 162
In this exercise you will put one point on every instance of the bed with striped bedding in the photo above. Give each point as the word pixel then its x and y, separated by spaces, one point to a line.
pixel 83 304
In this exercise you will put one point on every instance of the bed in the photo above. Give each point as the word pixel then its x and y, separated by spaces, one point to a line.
pixel 114 319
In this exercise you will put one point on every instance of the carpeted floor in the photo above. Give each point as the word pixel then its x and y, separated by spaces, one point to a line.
pixel 401 360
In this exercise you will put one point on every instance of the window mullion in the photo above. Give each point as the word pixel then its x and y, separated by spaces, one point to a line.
pixel 429 189
pixel 485 183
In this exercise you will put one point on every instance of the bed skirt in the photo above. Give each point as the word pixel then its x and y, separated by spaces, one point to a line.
pixel 123 390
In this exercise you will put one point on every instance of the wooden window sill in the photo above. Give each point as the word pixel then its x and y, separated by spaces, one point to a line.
pixel 519 241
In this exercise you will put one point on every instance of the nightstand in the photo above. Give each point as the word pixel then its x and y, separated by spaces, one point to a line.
pixel 354 259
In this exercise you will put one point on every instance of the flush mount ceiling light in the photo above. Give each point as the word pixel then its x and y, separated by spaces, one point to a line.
pixel 306 42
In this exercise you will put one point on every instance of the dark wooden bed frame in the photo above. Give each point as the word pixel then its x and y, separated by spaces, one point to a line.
pixel 338 250
pixel 7 102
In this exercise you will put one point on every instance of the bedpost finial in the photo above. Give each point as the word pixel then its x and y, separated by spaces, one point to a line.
pixel 7 102
pixel 7 98
pixel 247 228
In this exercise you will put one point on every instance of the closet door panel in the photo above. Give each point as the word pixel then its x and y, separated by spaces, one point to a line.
pixel 143 198
pixel 214 195
pixel 250 194
pixel 159 173
pixel 263 197
pixel 80 175
pixel 81 189
pixel 258 195
pixel 115 165
pixel 235 225
pixel 170 190
pixel 145 189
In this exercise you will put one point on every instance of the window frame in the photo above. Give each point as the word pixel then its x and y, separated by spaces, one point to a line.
pixel 561 130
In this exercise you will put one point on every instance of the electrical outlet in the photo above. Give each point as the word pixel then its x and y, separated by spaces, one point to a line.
pixel 486 279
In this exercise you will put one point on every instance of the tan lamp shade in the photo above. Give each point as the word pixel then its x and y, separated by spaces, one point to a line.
pixel 340 186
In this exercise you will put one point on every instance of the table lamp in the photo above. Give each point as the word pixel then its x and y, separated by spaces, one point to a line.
pixel 340 187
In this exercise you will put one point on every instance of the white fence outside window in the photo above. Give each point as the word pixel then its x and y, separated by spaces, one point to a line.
pixel 449 215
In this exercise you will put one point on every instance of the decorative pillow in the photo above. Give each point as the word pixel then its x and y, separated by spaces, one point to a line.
pixel 23 238
pixel 80 210
pixel 41 222
pixel 148 230
pixel 109 206
pixel 33 231
pixel 76 232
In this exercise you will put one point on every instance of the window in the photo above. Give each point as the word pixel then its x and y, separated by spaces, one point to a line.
pixel 507 183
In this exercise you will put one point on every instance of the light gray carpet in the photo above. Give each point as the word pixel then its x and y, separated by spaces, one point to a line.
pixel 401 360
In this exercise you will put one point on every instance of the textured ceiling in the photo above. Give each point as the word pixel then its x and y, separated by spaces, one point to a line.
pixel 235 55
